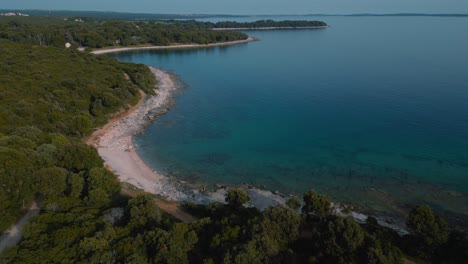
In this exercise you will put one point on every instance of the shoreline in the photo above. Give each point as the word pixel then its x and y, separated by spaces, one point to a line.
pixel 269 28
pixel 181 46
pixel 114 143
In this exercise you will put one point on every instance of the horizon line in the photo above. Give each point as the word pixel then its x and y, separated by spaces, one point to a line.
pixel 243 15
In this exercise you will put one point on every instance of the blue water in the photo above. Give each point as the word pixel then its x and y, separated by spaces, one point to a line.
pixel 372 111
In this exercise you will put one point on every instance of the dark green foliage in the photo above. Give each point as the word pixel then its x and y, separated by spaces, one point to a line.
pixel 51 182
pixel 380 252
pixel 278 228
pixel 428 231
pixel 431 228
pixel 98 34
pixel 267 23
pixel 48 98
pixel 62 91
pixel 281 224
pixel 316 204
pixel 455 250
pixel 77 157
pixel 142 213
pixel 32 133
pixel 75 185
pixel 381 233
pixel 16 185
pixel 100 178
pixel 342 237
pixel 223 229
pixel 236 198
pixel 97 198
pixel 172 246
pixel 294 203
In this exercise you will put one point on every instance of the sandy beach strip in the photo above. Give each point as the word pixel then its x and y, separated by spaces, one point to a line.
pixel 181 46
pixel 115 145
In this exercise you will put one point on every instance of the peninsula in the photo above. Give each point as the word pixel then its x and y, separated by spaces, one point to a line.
pixel 268 25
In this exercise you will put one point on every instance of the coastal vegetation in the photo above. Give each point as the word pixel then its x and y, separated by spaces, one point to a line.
pixel 268 24
pixel 52 98
pixel 92 33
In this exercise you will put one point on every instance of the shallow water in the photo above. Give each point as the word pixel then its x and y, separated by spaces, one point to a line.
pixel 372 111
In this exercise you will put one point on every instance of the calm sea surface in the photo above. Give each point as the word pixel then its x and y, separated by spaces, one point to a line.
pixel 372 111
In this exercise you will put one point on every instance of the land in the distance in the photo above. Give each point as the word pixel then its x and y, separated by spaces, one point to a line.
pixel 53 98
pixel 152 16
pixel 92 33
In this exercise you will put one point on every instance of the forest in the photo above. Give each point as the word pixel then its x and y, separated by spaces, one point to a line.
pixel 111 15
pixel 51 98
pixel 93 33
pixel 267 23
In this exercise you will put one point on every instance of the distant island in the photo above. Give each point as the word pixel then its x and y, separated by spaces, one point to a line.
pixel 268 24
pixel 148 16
pixel 111 15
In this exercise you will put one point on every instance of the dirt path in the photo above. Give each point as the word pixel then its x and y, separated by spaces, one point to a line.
pixel 13 235
pixel 174 209
pixel 170 207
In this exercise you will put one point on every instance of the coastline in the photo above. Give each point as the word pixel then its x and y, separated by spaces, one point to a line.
pixel 114 143
pixel 181 46
pixel 269 28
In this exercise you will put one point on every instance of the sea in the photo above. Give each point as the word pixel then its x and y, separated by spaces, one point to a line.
pixel 372 111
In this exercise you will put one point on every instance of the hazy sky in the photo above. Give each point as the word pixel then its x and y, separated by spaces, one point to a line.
pixel 247 6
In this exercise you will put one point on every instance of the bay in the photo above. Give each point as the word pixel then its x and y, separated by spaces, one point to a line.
pixel 372 111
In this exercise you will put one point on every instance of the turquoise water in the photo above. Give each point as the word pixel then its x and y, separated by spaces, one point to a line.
pixel 372 111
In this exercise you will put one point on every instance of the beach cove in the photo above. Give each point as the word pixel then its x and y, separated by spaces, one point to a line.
pixel 115 145
pixel 321 115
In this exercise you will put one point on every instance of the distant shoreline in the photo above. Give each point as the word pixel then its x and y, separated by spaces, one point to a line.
pixel 181 46
pixel 269 28
pixel 114 143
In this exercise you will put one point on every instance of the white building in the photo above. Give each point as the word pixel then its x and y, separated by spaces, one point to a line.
pixel 13 14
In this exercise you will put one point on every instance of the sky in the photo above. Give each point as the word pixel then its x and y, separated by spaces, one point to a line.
pixel 261 7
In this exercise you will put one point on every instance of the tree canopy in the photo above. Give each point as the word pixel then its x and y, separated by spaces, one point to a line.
pixel 44 113
pixel 95 33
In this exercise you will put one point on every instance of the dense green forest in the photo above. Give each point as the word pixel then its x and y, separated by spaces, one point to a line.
pixel 267 23
pixel 92 33
pixel 51 98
